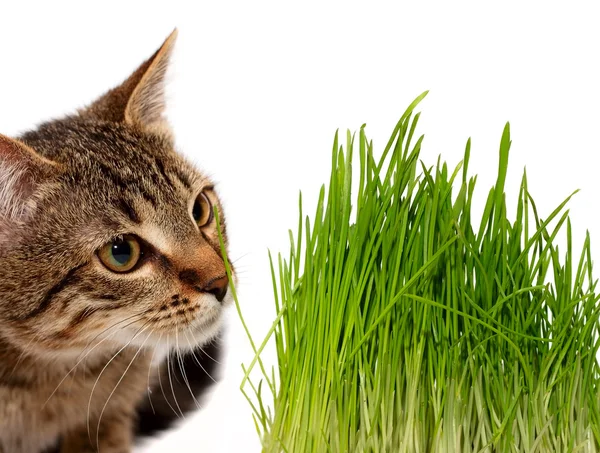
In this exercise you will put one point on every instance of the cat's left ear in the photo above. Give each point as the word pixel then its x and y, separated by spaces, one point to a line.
pixel 22 171
pixel 139 100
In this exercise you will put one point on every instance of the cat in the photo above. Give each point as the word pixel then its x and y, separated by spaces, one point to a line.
pixel 112 281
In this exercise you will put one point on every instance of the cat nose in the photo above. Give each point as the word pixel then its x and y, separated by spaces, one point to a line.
pixel 218 287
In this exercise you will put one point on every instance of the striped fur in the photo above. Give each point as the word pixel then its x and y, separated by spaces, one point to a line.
pixel 89 358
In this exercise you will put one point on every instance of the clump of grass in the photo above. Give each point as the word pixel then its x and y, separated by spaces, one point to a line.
pixel 417 328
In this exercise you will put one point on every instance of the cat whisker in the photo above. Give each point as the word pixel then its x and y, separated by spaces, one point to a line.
pixel 183 373
pixel 176 350
pixel 140 314
pixel 73 368
pixel 208 355
pixel 163 390
pixel 115 389
pixel 139 331
pixel 150 369
pixel 171 380
pixel 87 354
pixel 109 336
pixel 198 360
pixel 243 276
pixel 242 256
pixel 24 352
pixel 241 271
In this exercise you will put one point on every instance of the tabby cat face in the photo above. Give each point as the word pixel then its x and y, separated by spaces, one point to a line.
pixel 106 233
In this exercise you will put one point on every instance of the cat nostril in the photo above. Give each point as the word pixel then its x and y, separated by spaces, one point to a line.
pixel 218 287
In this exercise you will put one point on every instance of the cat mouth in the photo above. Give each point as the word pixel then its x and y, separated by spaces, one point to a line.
pixel 187 332
pixel 180 326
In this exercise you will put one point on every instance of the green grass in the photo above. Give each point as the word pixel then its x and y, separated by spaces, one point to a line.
pixel 406 325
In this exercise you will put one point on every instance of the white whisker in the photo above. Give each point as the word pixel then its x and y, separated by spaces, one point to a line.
pixel 163 390
pixel 149 390
pixel 171 381
pixel 115 389
pixel 182 368
pixel 140 330
pixel 84 357
pixel 198 360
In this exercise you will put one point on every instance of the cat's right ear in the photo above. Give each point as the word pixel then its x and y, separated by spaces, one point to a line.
pixel 140 100
pixel 22 170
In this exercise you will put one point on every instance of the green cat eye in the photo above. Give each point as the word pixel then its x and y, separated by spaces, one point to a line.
pixel 202 210
pixel 121 254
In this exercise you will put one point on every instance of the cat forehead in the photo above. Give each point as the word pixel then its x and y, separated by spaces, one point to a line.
pixel 120 156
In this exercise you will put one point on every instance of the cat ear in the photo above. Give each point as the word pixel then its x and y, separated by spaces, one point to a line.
pixel 139 100
pixel 21 171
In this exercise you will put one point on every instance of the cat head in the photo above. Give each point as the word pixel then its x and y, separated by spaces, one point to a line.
pixel 107 234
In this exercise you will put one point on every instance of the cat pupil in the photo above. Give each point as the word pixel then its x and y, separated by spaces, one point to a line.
pixel 121 252
pixel 197 211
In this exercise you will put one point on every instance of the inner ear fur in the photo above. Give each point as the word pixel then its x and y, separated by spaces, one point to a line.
pixel 22 170
pixel 140 99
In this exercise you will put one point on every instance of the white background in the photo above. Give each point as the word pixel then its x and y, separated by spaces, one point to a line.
pixel 259 88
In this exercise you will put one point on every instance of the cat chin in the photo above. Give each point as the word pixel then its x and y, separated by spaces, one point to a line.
pixel 198 333
pixel 195 337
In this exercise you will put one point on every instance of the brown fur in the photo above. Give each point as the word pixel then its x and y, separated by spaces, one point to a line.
pixel 79 344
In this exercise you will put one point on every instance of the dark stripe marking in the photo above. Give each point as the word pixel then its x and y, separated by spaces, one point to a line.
pixel 183 178
pixel 164 262
pixel 113 176
pixel 82 316
pixel 128 210
pixel 150 199
pixel 89 311
pixel 162 171
pixel 117 180
pixel 69 279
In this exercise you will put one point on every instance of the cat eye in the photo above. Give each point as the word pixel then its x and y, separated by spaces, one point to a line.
pixel 202 211
pixel 121 254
